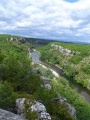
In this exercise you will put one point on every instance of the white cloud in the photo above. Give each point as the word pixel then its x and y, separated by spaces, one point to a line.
pixel 85 30
pixel 55 17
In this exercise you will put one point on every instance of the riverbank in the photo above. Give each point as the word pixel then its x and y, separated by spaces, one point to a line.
pixel 82 91
pixel 59 72
pixel 63 87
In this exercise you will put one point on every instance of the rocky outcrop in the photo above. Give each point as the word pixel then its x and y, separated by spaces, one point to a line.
pixel 33 106
pixel 41 111
pixel 15 39
pixel 44 116
pixel 64 51
pixel 38 107
pixel 71 110
pixel 6 115
pixel 20 106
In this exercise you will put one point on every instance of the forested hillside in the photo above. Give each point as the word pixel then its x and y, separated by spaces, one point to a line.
pixel 74 59
pixel 17 80
pixel 20 79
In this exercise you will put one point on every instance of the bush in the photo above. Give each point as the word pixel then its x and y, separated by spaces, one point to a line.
pixel 75 59
pixel 86 69
pixel 59 112
pixel 7 96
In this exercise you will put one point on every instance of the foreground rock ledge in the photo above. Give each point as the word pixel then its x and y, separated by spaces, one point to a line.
pixel 6 115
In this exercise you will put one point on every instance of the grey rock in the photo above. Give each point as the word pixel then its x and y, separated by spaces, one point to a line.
pixel 65 52
pixel 20 106
pixel 6 115
pixel 38 107
pixel 44 116
pixel 41 111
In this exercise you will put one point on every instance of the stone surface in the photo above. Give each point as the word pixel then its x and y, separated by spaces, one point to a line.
pixel 6 115
pixel 63 51
pixel 41 111
pixel 44 116
pixel 38 107
pixel 20 106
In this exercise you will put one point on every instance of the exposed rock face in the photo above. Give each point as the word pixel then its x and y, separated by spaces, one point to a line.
pixel 15 39
pixel 36 106
pixel 41 111
pixel 69 108
pixel 5 115
pixel 63 51
pixel 20 106
pixel 44 116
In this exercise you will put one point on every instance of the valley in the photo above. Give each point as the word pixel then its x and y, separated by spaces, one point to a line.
pixel 43 80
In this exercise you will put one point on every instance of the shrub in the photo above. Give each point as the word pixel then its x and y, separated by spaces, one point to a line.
pixel 7 96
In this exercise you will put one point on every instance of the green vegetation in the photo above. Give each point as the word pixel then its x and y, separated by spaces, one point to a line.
pixel 74 59
pixel 61 87
pixel 7 96
pixel 76 67
pixel 17 80
pixel 16 77
pixel 84 49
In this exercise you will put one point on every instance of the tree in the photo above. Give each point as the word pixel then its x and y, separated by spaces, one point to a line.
pixel 7 96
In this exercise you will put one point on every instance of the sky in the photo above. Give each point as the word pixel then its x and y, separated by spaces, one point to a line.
pixel 67 20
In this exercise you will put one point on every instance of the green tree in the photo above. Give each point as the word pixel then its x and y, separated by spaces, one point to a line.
pixel 7 96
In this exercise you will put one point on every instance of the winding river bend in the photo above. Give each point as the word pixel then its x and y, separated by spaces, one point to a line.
pixel 82 91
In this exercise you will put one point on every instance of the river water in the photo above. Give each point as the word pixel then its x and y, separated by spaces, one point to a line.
pixel 35 57
pixel 82 91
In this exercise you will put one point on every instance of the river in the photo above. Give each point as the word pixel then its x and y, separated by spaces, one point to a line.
pixel 85 93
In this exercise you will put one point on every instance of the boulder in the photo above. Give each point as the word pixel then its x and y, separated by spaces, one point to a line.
pixel 6 115
pixel 38 107
pixel 33 106
pixel 41 111
pixel 44 116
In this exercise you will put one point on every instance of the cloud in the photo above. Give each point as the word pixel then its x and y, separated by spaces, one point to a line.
pixel 53 19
